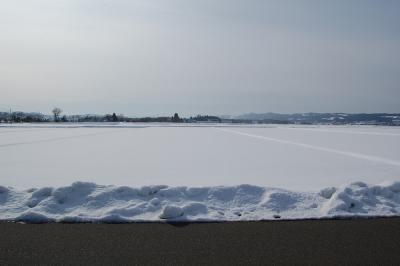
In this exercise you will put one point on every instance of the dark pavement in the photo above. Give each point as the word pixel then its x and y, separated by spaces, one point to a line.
pixel 310 242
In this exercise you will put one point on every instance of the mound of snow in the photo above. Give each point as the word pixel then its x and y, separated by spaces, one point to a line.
pixel 327 192
pixel 88 202
pixel 360 199
pixel 171 212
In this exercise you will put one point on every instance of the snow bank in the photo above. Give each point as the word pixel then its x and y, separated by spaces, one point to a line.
pixel 88 202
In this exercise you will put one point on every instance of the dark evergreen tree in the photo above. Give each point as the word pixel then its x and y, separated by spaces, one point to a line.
pixel 114 117
pixel 176 118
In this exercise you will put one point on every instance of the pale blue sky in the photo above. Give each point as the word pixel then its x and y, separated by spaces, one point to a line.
pixel 155 57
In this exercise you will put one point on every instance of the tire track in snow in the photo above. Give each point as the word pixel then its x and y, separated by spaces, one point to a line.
pixel 318 148
pixel 347 132
pixel 25 130
pixel 56 139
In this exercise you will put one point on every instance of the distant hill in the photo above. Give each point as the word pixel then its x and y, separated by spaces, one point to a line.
pixel 324 118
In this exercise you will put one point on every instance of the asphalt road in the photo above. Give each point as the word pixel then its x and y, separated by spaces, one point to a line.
pixel 311 242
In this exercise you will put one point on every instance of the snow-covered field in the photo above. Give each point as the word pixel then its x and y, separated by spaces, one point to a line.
pixel 196 172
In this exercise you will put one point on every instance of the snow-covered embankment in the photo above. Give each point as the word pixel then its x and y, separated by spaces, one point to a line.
pixel 88 202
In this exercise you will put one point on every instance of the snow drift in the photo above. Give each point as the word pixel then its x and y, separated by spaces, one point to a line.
pixel 89 202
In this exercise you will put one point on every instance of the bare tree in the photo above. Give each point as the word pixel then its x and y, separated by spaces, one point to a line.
pixel 56 112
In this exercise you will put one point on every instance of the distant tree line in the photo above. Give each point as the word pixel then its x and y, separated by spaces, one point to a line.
pixel 206 118
pixel 21 117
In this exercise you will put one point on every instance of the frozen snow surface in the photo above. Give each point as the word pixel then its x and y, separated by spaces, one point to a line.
pixel 201 167
pixel 89 202
pixel 299 158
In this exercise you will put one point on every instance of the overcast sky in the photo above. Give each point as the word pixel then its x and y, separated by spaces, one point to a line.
pixel 156 57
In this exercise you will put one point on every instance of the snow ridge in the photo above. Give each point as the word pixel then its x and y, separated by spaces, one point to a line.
pixel 89 202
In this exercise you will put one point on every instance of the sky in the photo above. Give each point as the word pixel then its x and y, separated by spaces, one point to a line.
pixel 158 57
